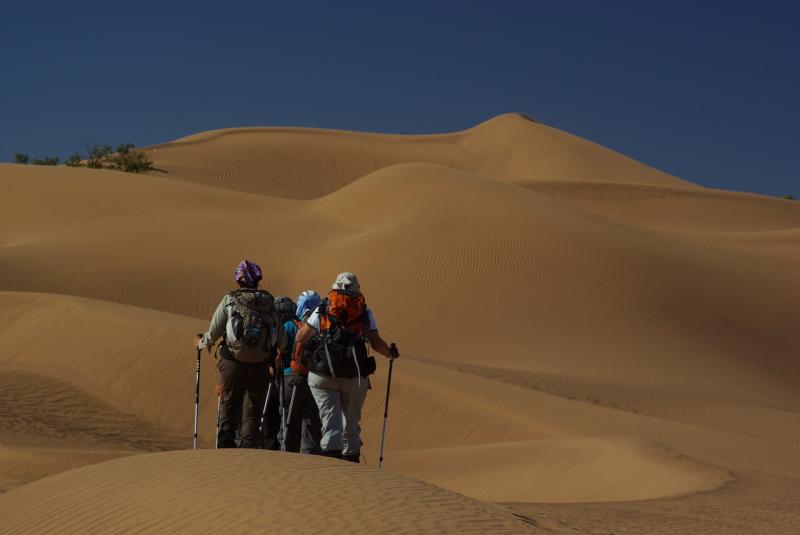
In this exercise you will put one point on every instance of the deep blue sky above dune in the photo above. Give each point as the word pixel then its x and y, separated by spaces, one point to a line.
pixel 705 90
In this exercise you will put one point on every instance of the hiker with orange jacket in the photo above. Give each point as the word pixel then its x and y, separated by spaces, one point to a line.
pixel 334 339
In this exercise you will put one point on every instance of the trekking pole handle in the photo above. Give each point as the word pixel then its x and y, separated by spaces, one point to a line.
pixel 393 350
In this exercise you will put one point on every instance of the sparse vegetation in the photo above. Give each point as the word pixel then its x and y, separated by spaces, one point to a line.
pixel 98 154
pixel 23 159
pixel 130 161
pixel 47 160
pixel 790 197
pixel 124 148
pixel 74 160
pixel 124 158
pixel 134 162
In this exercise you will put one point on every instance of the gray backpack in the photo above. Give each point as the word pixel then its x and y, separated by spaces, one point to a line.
pixel 251 331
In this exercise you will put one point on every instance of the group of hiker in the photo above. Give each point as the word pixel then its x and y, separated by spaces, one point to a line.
pixel 293 375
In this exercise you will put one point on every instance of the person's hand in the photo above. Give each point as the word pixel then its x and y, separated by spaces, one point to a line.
pixel 197 340
pixel 393 352
pixel 218 390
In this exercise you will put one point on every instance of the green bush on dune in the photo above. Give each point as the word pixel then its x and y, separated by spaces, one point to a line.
pixel 24 159
pixel 130 161
pixel 790 197
pixel 98 155
pixel 47 160
pixel 74 160
pixel 124 158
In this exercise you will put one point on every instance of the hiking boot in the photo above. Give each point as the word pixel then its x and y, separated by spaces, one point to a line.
pixel 352 457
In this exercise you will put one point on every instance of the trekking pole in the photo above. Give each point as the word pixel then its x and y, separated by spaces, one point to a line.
pixel 386 406
pixel 291 401
pixel 294 390
pixel 216 440
pixel 281 410
pixel 264 410
pixel 196 397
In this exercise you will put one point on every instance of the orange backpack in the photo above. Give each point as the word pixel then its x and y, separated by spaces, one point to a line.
pixel 339 348
pixel 347 310
pixel 297 353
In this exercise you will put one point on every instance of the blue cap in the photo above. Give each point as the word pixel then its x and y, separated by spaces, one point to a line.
pixel 306 303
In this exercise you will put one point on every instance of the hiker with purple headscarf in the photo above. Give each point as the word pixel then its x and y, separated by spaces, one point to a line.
pixel 251 337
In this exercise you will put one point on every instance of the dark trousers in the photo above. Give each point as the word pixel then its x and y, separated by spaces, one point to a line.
pixel 304 429
pixel 243 388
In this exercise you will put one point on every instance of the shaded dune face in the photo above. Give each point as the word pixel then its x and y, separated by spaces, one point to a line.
pixel 567 316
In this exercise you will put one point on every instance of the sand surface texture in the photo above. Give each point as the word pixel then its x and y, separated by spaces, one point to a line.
pixel 185 491
pixel 594 344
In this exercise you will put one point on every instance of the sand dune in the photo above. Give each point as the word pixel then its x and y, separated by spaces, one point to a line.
pixel 560 470
pixel 669 207
pixel 575 326
pixel 177 492
pixel 302 163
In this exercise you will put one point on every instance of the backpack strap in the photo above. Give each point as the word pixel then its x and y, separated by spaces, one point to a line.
pixel 324 327
pixel 322 310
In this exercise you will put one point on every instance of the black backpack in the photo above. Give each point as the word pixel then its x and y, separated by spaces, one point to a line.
pixel 285 309
pixel 336 352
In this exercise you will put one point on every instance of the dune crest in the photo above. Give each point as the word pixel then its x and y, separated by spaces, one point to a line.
pixel 303 163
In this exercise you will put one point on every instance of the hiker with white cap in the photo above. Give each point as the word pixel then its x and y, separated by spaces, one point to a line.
pixel 335 338
pixel 246 319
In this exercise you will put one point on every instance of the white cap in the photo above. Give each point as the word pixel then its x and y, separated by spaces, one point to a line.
pixel 347 282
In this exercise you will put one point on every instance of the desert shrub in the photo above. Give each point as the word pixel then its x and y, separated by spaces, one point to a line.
pixel 124 148
pixel 124 158
pixel 47 160
pixel 98 155
pixel 133 162
pixel 74 160
pixel 790 197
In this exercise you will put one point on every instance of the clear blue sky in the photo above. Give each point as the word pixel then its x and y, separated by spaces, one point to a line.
pixel 706 90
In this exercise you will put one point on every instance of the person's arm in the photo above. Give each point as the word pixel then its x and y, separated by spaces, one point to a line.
pixel 215 329
pixel 374 338
pixel 380 345
pixel 304 334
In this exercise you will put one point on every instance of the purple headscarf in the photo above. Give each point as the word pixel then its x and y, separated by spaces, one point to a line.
pixel 247 274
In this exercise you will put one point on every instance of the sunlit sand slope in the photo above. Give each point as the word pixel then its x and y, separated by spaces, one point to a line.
pixel 302 163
